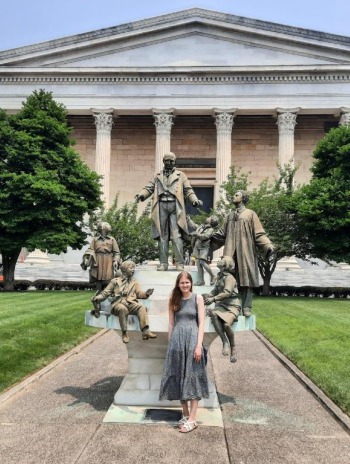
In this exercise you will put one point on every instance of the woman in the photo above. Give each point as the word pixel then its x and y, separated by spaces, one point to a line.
pixel 227 305
pixel 185 376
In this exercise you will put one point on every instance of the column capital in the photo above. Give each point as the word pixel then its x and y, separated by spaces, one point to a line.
pixel 287 120
pixel 163 120
pixel 103 119
pixel 224 120
pixel 344 116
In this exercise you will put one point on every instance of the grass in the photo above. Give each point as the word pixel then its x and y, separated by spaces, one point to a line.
pixel 314 334
pixel 37 327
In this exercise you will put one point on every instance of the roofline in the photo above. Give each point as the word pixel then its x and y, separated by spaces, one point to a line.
pixel 138 26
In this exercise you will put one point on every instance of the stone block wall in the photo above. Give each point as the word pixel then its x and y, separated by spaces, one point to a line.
pixel 132 156
pixel 254 146
pixel 308 131
pixel 194 137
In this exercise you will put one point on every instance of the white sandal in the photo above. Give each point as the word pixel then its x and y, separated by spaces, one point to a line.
pixel 182 421
pixel 188 426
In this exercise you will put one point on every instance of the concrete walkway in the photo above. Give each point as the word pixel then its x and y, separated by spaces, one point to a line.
pixel 269 416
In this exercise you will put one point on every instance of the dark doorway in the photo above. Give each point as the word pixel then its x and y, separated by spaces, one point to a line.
pixel 206 194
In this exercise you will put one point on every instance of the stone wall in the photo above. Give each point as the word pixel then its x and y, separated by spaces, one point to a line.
pixel 254 146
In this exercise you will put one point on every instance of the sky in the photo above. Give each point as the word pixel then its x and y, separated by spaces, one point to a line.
pixel 25 22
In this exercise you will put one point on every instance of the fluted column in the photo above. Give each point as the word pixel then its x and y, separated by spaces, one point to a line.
pixel 224 124
pixel 103 123
pixel 344 117
pixel 163 120
pixel 286 121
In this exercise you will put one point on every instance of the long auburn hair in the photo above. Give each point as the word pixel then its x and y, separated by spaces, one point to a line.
pixel 176 294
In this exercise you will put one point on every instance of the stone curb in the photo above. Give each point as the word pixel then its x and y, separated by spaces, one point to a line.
pixel 37 375
pixel 327 403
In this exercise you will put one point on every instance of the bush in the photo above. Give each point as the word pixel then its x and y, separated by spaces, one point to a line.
pixel 48 284
pixel 308 291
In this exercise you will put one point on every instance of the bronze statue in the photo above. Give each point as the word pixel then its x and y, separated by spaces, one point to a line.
pixel 227 305
pixel 102 257
pixel 242 234
pixel 124 291
pixel 201 246
pixel 170 188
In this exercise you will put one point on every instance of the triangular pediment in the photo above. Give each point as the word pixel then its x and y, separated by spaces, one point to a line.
pixel 190 39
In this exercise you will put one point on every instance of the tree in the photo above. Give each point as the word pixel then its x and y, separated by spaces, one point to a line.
pixel 45 188
pixel 132 232
pixel 323 205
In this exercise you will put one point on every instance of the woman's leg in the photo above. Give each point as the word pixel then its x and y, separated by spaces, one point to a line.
pixel 193 410
pixel 190 424
pixel 185 410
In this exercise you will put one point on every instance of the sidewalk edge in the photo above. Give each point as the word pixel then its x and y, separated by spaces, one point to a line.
pixel 37 375
pixel 326 402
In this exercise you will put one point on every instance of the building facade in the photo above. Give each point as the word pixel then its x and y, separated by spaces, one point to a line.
pixel 216 89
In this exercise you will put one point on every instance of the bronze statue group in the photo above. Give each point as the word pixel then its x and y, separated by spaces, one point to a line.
pixel 184 375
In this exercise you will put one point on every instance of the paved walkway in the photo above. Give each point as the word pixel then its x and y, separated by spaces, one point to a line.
pixel 269 416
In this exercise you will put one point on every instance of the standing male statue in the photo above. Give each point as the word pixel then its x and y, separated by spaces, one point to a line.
pixel 170 189
pixel 243 234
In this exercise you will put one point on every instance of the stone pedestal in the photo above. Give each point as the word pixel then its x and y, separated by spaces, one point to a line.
pixel 288 264
pixel 140 386
pixel 37 257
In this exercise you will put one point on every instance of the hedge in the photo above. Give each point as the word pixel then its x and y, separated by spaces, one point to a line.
pixel 281 290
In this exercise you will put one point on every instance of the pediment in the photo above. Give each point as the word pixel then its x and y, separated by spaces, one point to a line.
pixel 190 39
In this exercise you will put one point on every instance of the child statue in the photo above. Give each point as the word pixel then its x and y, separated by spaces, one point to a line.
pixel 125 290
pixel 201 246
pixel 102 257
pixel 227 305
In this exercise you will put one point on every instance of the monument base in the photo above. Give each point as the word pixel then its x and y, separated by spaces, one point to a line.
pixel 140 387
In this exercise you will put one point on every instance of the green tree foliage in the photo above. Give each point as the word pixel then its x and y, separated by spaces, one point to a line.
pixel 132 231
pixel 45 188
pixel 323 205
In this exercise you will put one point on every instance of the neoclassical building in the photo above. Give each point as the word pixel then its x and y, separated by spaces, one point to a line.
pixel 216 89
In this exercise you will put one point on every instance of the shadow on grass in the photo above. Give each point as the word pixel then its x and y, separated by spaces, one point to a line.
pixel 99 395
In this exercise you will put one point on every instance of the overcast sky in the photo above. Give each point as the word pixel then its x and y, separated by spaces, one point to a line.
pixel 25 22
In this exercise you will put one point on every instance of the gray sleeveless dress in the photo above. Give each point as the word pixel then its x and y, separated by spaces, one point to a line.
pixel 184 379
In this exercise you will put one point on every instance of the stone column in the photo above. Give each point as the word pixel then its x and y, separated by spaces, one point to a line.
pixel 224 124
pixel 163 120
pixel 286 121
pixel 103 123
pixel 344 117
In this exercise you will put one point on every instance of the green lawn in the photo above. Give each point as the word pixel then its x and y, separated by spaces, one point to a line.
pixel 36 327
pixel 314 333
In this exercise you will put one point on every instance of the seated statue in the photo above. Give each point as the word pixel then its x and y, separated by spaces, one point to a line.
pixel 227 305
pixel 124 291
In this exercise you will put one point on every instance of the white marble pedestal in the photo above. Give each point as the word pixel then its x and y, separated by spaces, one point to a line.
pixel 140 387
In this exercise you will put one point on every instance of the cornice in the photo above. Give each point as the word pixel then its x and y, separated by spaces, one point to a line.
pixel 170 20
pixel 189 78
